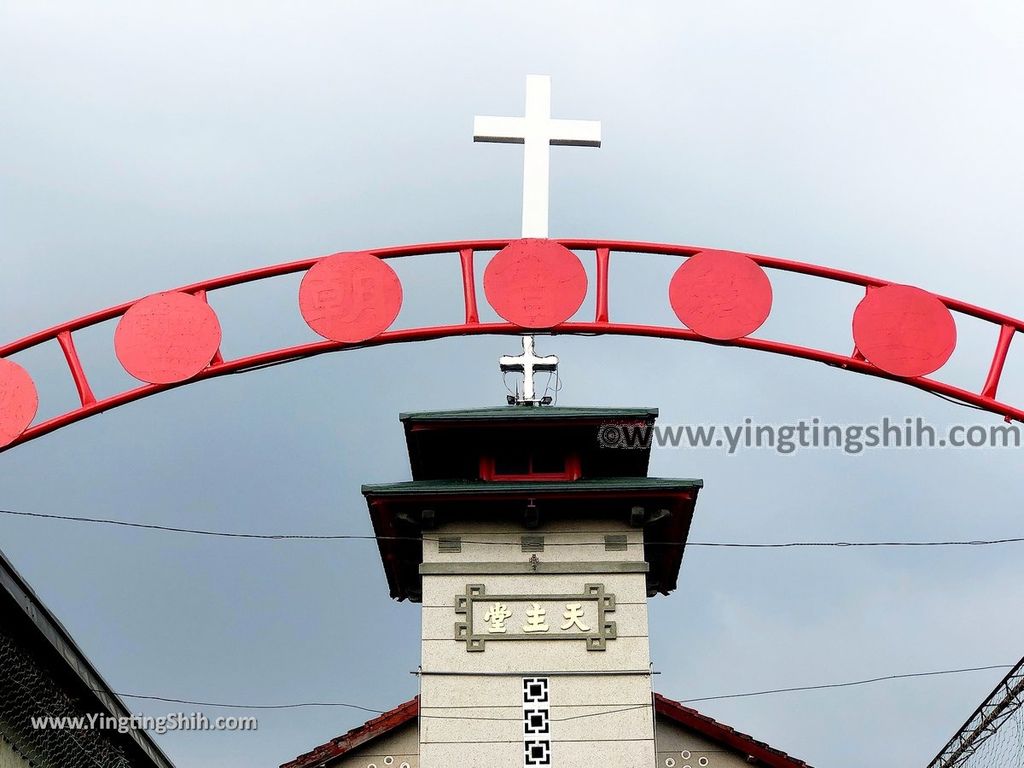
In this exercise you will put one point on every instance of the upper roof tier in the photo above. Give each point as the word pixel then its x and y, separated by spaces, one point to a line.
pixel 528 466
pixel 516 442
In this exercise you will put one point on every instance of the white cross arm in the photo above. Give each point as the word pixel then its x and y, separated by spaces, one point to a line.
pixel 513 130
pixel 499 130
pixel 549 363
pixel 576 133
pixel 510 363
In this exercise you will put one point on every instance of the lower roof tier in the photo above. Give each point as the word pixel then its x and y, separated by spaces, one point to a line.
pixel 401 512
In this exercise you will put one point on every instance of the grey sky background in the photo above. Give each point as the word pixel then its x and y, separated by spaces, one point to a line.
pixel 147 145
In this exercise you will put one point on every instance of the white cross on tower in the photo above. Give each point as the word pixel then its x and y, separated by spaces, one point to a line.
pixel 536 131
pixel 527 363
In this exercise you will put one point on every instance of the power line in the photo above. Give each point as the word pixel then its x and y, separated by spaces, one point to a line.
pixel 223 705
pixel 847 684
pixel 840 544
pixel 193 531
pixel 371 537
pixel 517 718
pixel 773 691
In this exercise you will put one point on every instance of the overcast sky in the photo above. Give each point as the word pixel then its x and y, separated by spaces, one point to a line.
pixel 148 145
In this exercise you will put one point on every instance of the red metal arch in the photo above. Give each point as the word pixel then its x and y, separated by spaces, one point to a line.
pixel 1004 327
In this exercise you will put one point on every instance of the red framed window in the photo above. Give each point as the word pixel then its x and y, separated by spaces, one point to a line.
pixel 530 463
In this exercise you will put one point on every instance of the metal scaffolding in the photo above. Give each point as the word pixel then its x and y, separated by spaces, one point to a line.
pixel 1001 705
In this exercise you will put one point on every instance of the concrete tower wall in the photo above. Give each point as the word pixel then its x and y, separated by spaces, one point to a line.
pixel 599 709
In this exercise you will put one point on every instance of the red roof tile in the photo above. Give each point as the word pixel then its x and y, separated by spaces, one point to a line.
pixel 368 731
pixel 688 718
pixel 724 735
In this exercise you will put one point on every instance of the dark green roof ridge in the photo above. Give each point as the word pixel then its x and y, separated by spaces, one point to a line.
pixel 418 487
pixel 529 412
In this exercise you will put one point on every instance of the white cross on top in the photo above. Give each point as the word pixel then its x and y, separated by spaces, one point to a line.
pixel 536 131
pixel 528 363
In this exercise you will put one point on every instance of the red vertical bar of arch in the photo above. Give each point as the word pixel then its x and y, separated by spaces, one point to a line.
pixel 857 354
pixel 995 371
pixel 67 345
pixel 469 286
pixel 218 358
pixel 601 313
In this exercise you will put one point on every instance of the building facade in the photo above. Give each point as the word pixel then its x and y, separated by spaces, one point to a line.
pixel 43 674
pixel 533 548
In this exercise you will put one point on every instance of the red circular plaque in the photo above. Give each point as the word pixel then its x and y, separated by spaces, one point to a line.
pixel 903 330
pixel 19 401
pixel 167 338
pixel 350 297
pixel 535 283
pixel 721 294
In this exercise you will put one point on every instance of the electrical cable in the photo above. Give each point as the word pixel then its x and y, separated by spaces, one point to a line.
pixel 619 708
pixel 371 537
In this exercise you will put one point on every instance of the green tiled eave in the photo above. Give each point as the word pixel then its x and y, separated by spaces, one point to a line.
pixel 504 412
pixel 477 487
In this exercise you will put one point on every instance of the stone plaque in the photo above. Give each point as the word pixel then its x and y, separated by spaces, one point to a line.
pixel 578 616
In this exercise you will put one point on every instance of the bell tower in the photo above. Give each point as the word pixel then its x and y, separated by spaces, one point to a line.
pixel 533 546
